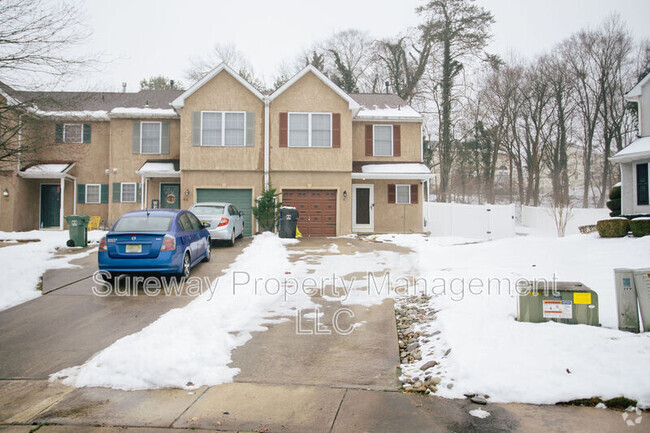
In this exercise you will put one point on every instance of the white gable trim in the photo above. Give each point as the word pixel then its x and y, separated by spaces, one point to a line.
pixel 180 101
pixel 636 90
pixel 10 99
pixel 354 105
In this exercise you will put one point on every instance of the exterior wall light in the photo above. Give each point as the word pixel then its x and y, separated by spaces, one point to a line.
pixel 187 192
pixel 345 194
pixel 5 193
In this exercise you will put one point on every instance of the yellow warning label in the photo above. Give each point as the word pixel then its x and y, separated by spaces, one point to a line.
pixel 582 298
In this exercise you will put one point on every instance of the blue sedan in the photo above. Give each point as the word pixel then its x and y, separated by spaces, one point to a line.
pixel 162 241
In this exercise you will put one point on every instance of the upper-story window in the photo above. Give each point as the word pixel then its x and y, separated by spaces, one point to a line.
pixel 226 128
pixel 150 137
pixel 383 140
pixel 310 130
pixel 72 133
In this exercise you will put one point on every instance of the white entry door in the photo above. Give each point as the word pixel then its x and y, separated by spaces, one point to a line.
pixel 363 208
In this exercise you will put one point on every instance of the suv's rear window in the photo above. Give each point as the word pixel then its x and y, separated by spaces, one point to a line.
pixel 207 210
pixel 143 224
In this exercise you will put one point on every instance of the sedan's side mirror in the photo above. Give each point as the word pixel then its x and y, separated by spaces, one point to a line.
pixel 206 225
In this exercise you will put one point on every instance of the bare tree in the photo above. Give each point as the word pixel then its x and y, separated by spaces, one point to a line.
pixel 461 29
pixel 229 54
pixel 160 82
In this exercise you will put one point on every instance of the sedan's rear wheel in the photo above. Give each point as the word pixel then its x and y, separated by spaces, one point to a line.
pixel 187 266
pixel 231 242
pixel 208 252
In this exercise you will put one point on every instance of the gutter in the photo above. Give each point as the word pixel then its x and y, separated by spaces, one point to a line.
pixel 266 141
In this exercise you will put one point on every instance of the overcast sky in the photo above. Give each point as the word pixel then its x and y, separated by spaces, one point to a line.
pixel 141 38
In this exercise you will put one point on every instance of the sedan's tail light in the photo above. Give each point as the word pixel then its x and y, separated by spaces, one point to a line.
pixel 102 244
pixel 223 222
pixel 168 243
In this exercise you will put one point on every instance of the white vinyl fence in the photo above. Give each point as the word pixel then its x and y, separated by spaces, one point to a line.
pixel 470 221
pixel 541 219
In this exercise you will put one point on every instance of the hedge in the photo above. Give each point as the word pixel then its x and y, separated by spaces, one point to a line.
pixel 615 193
pixel 613 228
pixel 640 227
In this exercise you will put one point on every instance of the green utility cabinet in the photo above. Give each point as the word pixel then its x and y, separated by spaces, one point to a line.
pixel 563 302
pixel 78 229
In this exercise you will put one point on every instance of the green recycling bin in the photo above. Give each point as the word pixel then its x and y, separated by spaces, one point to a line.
pixel 78 228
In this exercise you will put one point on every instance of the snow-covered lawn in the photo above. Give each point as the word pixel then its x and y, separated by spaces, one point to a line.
pixel 510 361
pixel 23 263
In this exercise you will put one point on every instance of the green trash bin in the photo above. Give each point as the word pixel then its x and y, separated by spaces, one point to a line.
pixel 78 229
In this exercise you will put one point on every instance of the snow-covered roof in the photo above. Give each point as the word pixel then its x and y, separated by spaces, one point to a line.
pixel 179 102
pixel 134 112
pixel 635 92
pixel 638 149
pixel 47 171
pixel 165 168
pixel 73 115
pixel 354 105
pixel 407 170
pixel 405 113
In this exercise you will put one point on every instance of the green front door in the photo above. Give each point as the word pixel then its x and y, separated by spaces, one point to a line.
pixel 50 205
pixel 242 199
pixel 170 196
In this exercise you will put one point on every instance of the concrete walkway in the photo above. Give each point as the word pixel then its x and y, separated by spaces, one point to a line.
pixel 287 383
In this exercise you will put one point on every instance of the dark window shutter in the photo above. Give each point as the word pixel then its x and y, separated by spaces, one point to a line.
pixel 250 129
pixel 58 133
pixel 397 145
pixel 336 130
pixel 284 130
pixel 391 193
pixel 164 138
pixel 414 194
pixel 196 128
pixel 103 190
pixel 135 144
pixel 86 129
pixel 369 146
pixel 117 192
pixel 81 193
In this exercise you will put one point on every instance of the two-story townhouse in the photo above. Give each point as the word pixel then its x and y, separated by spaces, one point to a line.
pixel 634 160
pixel 347 162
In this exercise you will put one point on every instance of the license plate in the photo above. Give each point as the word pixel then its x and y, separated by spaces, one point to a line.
pixel 137 248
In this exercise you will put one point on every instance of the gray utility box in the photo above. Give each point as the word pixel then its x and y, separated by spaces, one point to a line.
pixel 626 300
pixel 642 283
pixel 565 302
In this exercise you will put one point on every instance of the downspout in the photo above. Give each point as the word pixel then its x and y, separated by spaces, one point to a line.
pixel 266 142
pixel 20 140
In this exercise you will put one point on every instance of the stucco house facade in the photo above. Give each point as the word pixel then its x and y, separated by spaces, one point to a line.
pixel 634 160
pixel 348 162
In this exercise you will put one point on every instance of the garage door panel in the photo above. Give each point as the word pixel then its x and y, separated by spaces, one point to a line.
pixel 241 198
pixel 317 210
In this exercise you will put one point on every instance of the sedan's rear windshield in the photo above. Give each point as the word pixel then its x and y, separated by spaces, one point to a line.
pixel 143 224
pixel 207 210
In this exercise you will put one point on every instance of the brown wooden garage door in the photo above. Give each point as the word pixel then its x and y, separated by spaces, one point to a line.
pixel 317 210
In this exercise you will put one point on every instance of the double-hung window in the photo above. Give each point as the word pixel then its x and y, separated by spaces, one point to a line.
pixel 403 194
pixel 642 193
pixel 93 193
pixel 383 140
pixel 128 192
pixel 73 133
pixel 223 128
pixel 150 137
pixel 310 130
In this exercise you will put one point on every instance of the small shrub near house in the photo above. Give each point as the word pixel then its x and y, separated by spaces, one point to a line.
pixel 613 228
pixel 266 208
pixel 640 227
pixel 614 203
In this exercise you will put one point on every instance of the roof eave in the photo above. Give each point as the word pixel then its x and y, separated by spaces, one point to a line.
pixel 630 157
pixel 388 119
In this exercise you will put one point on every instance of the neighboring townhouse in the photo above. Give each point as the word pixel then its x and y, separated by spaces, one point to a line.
pixel 635 158
pixel 347 162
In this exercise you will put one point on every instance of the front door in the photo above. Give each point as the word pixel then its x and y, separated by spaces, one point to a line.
pixel 363 215
pixel 50 205
pixel 170 195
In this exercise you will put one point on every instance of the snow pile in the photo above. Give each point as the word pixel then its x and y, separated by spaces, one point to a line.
pixel 480 346
pixel 190 347
pixel 398 168
pixel 24 263
pixel 479 413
